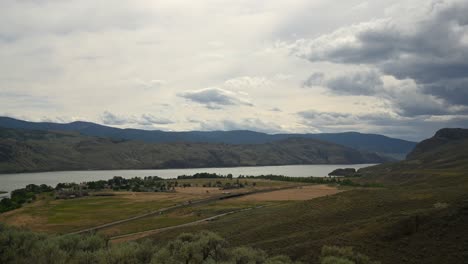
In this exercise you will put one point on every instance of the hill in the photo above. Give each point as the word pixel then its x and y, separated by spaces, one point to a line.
pixel 419 216
pixel 444 153
pixel 392 147
pixel 35 150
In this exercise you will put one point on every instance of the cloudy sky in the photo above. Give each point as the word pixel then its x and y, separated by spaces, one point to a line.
pixel 398 68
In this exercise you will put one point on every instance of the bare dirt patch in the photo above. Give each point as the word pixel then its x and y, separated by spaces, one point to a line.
pixel 295 194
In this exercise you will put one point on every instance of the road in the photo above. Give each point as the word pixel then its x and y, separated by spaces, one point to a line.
pixel 138 235
pixel 185 204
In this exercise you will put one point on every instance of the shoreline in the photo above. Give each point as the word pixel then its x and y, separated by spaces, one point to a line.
pixel 191 168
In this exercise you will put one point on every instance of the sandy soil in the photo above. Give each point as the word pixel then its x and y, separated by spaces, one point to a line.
pixel 299 193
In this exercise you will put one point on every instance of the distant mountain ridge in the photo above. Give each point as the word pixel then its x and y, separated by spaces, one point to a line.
pixel 396 148
pixel 35 150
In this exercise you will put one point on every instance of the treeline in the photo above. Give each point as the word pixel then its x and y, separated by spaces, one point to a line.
pixel 117 183
pixel 346 172
pixel 313 180
pixel 24 195
pixel 205 175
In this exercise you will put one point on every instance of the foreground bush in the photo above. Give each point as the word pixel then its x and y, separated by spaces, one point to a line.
pixel 17 246
pixel 343 255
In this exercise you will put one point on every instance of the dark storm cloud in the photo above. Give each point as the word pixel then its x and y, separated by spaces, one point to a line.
pixel 214 98
pixel 407 99
pixel 412 128
pixel 432 51
pixel 358 83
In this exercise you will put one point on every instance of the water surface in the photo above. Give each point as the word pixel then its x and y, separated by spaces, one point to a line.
pixel 9 182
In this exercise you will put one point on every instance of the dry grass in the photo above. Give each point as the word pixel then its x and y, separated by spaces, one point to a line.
pixel 296 194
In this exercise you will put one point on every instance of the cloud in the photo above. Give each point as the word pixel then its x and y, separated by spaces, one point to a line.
pixel 354 83
pixel 215 98
pixel 152 84
pixel 247 83
pixel 23 18
pixel 391 124
pixel 429 47
pixel 253 124
pixel 109 118
pixel 276 109
pixel 405 97
pixel 149 119
pixel 315 79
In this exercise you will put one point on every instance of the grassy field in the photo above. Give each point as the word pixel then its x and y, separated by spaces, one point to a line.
pixel 419 223
pixel 47 214
pixel 179 216
pixel 59 216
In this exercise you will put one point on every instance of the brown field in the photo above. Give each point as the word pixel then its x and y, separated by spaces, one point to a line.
pixel 296 194
pixel 202 191
pixel 62 216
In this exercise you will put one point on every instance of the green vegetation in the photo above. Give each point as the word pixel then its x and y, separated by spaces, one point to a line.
pixel 205 175
pixel 314 180
pixel 180 216
pixel 204 247
pixel 419 217
pixel 21 196
pixel 347 172
pixel 61 216
pixel 27 150
pixel 343 255
pixel 109 200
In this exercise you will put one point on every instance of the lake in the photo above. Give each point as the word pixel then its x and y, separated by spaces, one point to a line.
pixel 9 182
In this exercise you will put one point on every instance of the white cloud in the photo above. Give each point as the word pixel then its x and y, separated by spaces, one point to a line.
pixel 144 120
pixel 80 58
pixel 215 98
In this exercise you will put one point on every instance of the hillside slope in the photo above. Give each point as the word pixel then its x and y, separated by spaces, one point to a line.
pixel 368 142
pixel 419 216
pixel 445 153
pixel 28 150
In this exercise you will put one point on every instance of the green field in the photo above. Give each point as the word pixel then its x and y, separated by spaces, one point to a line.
pixel 59 216
pixel 47 214
pixel 180 216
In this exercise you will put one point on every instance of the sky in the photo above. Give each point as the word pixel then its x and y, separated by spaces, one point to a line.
pixel 398 68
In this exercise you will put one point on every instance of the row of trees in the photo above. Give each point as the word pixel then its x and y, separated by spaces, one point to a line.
pixel 205 175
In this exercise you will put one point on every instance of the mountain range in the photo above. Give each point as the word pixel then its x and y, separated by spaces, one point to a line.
pixel 383 145
pixel 34 150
